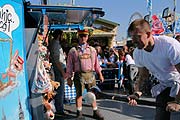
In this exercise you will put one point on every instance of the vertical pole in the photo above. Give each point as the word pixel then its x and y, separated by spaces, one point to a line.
pixel 72 2
pixel 149 7
pixel 45 22
pixel 174 17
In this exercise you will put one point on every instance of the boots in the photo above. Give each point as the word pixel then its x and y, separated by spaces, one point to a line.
pixel 97 115
pixel 79 114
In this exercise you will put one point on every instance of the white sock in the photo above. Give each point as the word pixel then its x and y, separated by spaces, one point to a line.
pixel 79 108
pixel 95 108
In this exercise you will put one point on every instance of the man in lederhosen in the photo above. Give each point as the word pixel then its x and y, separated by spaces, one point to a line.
pixel 82 61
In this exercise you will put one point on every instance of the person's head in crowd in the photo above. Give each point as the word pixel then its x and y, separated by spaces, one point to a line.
pixel 111 51
pixel 177 37
pixel 131 50
pixel 96 44
pixel 121 54
pixel 83 36
pixel 57 33
pixel 98 49
pixel 106 52
pixel 125 48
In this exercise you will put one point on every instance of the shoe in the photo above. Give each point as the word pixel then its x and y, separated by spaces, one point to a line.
pixel 61 115
pixel 97 115
pixel 79 114
pixel 64 113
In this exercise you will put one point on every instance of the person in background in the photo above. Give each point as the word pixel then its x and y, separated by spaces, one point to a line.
pixel 82 61
pixel 113 58
pixel 121 63
pixel 57 57
pixel 106 52
pixel 159 55
pixel 129 61
pixel 126 51
pixel 127 70
pixel 131 50
pixel 129 58
pixel 102 59
pixel 121 55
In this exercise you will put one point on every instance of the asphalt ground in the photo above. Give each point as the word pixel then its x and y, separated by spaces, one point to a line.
pixel 117 110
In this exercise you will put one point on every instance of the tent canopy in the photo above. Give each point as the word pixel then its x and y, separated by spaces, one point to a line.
pixel 66 16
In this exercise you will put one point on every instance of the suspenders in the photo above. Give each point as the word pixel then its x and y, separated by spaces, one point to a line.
pixel 79 58
pixel 86 77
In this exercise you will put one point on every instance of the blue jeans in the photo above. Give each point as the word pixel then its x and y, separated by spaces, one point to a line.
pixel 59 98
pixel 161 101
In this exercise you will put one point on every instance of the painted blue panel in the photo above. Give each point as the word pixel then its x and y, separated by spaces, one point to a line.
pixel 13 77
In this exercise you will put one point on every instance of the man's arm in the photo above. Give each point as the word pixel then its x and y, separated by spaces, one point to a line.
pixel 59 65
pixel 101 77
pixel 178 95
pixel 69 68
pixel 97 67
pixel 143 75
pixel 174 106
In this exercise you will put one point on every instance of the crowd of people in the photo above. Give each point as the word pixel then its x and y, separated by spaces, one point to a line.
pixel 80 66
pixel 77 67
pixel 122 59
pixel 156 55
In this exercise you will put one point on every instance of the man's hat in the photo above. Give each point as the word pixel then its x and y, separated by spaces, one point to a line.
pixel 83 32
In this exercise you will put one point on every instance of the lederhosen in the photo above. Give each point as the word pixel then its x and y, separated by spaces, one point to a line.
pixel 84 79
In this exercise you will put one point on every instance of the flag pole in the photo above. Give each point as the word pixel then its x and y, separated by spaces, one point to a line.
pixel 174 17
pixel 149 8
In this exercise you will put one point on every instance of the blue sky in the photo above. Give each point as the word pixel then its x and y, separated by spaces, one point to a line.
pixel 120 11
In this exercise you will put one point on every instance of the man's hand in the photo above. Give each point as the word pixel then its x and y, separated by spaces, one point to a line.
pixel 173 106
pixel 69 82
pixel 101 78
pixel 132 98
pixel 64 75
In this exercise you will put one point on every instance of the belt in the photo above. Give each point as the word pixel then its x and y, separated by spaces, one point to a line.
pixel 86 71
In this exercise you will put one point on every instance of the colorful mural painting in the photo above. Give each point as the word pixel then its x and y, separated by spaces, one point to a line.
pixel 13 83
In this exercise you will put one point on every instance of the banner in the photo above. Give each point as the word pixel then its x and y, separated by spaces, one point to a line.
pixel 157 26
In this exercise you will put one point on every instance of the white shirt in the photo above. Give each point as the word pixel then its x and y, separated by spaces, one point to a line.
pixel 129 60
pixel 161 60
pixel 57 53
